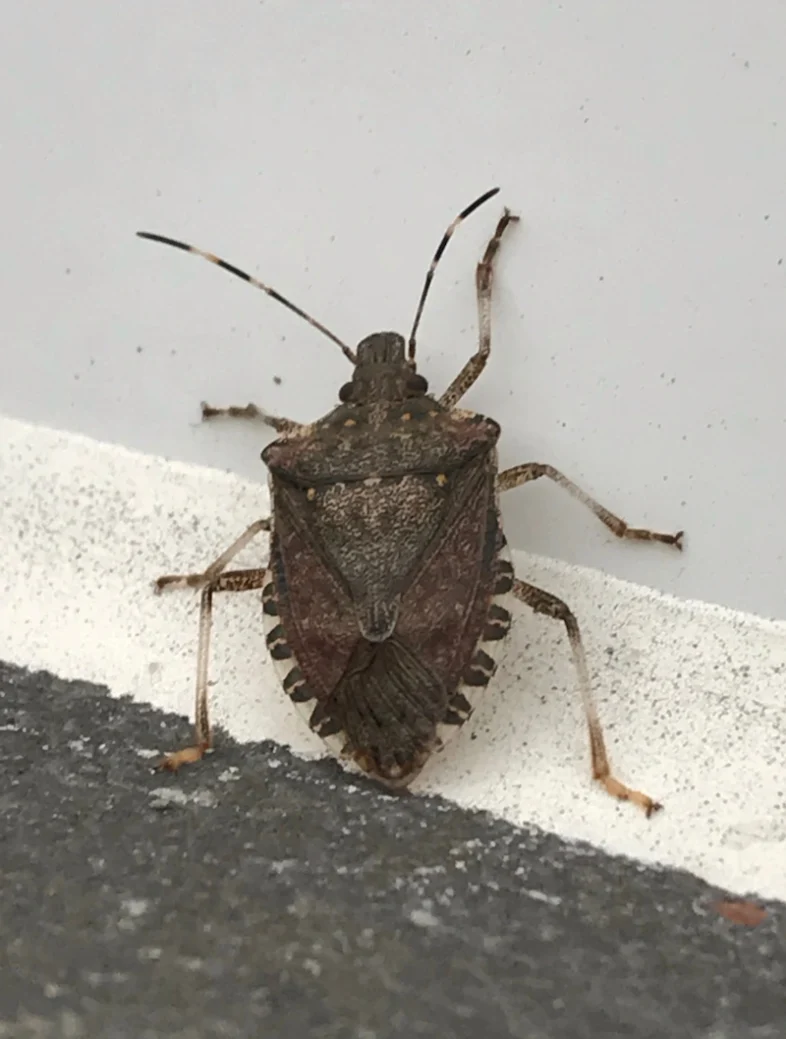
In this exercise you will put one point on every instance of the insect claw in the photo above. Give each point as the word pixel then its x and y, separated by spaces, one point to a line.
pixel 625 793
pixel 180 581
pixel 187 756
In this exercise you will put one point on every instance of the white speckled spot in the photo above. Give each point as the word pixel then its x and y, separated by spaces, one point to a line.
pixel 282 866
pixel 541 896
pixel 423 918
pixel 163 795
pixel 192 963
pixel 167 797
pixel 135 907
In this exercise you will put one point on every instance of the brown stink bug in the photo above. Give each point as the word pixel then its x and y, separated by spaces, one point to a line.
pixel 387 595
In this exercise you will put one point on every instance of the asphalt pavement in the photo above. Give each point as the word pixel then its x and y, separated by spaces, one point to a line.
pixel 260 895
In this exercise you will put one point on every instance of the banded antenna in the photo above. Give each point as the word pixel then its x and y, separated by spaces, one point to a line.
pixel 348 353
pixel 437 256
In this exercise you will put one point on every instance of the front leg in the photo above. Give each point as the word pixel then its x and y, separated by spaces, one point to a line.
pixel 208 576
pixel 484 277
pixel 521 474
pixel 551 606
pixel 251 411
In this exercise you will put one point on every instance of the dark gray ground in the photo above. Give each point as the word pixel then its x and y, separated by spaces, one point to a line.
pixel 286 900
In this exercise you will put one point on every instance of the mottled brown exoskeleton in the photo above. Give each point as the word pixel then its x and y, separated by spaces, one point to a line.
pixel 388 592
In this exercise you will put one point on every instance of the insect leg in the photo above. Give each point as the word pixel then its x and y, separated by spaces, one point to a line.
pixel 435 260
pixel 208 576
pixel 484 276
pixel 231 581
pixel 521 474
pixel 211 580
pixel 551 606
pixel 251 411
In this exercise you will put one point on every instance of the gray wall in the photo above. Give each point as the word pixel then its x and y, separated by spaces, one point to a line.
pixel 640 305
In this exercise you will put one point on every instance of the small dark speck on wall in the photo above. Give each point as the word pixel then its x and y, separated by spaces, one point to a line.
pixel 277 380
pixel 140 349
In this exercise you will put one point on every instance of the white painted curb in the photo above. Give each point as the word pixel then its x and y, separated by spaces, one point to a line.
pixel 692 696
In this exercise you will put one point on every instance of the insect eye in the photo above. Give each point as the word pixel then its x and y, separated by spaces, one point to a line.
pixel 345 393
pixel 416 384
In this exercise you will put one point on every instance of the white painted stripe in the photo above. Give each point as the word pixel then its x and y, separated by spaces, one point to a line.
pixel 692 695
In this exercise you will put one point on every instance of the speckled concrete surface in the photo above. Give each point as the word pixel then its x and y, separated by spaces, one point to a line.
pixel 692 696
pixel 264 895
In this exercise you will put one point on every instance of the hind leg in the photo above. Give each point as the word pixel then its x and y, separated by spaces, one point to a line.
pixel 551 606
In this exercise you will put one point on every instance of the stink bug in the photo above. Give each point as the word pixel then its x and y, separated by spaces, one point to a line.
pixel 387 596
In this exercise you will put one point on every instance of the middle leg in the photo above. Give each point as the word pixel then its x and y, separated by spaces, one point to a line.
pixel 521 474
pixel 208 576
pixel 231 581
pixel 215 578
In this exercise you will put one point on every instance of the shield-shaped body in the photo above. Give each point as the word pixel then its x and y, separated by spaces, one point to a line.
pixel 389 576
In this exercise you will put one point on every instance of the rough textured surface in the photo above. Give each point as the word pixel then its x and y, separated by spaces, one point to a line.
pixel 691 696
pixel 259 894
